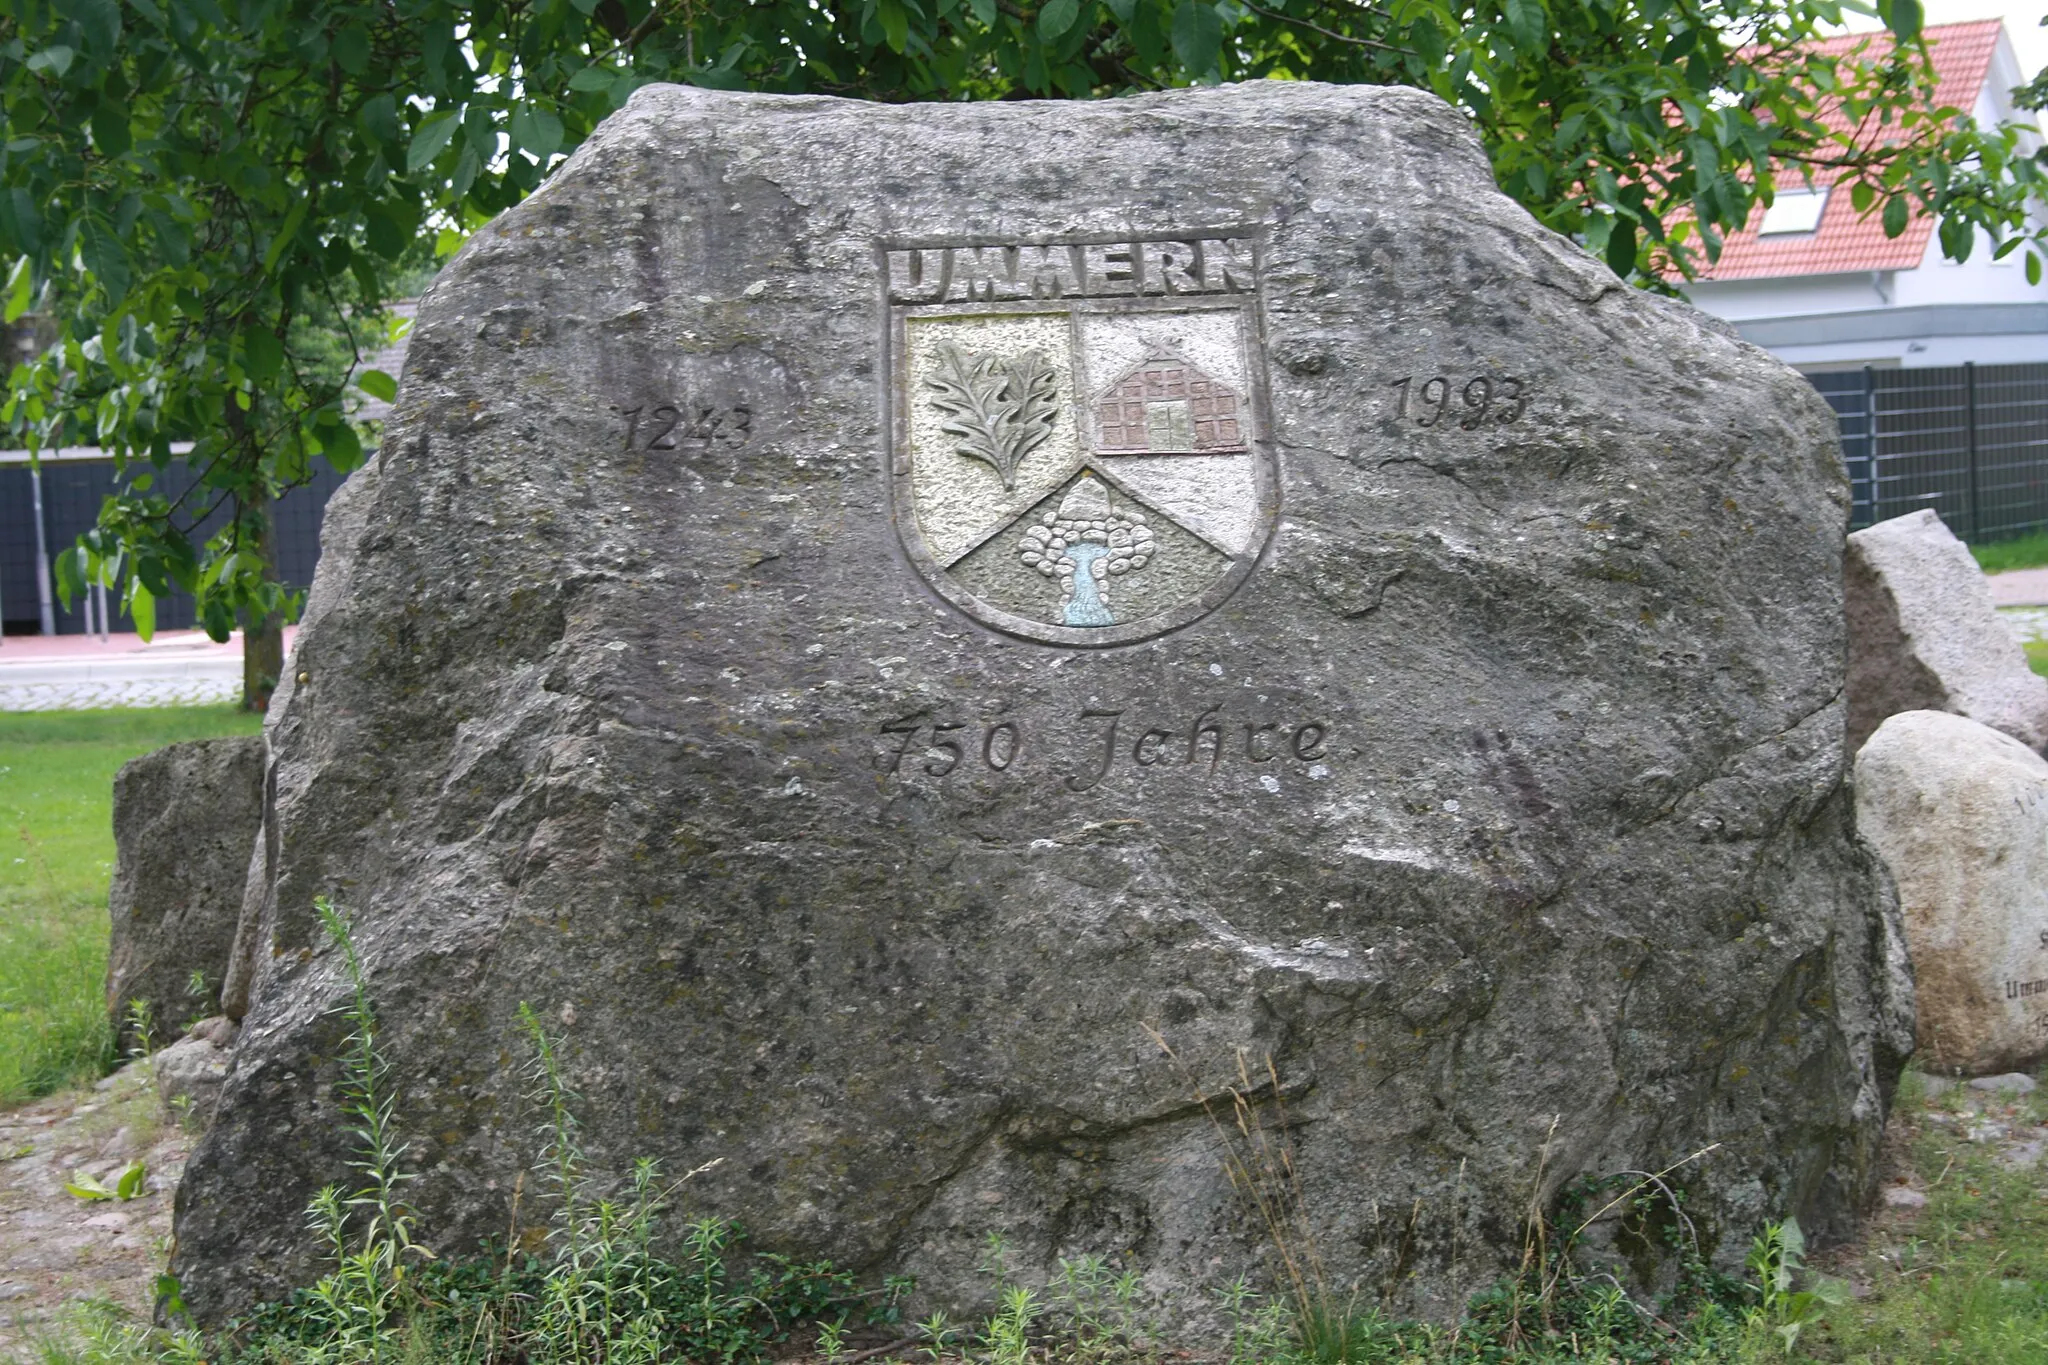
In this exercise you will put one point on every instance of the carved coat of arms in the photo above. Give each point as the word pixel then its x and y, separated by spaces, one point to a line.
pixel 1078 456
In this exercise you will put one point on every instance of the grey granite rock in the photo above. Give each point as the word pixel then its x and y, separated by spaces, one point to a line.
pixel 1479 764
pixel 1959 812
pixel 1924 635
pixel 190 1071
pixel 184 820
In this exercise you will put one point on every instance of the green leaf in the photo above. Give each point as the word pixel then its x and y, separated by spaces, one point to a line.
pixel 100 20
pixel 429 138
pixel 1903 17
pixel 592 78
pixel 351 49
pixel 288 230
pixel 20 281
pixel 1895 211
pixel 379 118
pixel 984 12
pixel 83 1186
pixel 1056 18
pixel 142 608
pixel 1862 195
pixel 536 131
pixel 378 384
pixel 1528 25
pixel 263 353
pixel 110 129
pixel 132 1180
pixel 55 59
pixel 342 447
pixel 1621 248
pixel 1197 36
pixel 895 24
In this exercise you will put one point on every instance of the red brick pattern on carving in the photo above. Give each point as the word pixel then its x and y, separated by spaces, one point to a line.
pixel 1120 416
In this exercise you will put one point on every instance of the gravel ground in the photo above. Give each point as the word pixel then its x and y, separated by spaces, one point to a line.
pixel 2029 623
pixel 57 1249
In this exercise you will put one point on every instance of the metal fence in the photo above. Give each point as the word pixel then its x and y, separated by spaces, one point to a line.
pixel 72 491
pixel 1969 441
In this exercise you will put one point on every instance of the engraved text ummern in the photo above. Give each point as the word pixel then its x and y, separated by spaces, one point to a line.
pixel 993 274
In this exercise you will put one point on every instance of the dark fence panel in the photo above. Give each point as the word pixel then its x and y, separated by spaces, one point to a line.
pixel 1969 441
pixel 72 494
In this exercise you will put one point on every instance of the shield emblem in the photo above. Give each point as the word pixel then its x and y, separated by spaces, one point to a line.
pixel 1077 428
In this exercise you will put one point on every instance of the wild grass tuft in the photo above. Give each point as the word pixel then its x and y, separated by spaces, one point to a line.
pixel 2029 551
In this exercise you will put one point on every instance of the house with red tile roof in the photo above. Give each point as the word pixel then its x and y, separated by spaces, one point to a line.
pixel 1821 286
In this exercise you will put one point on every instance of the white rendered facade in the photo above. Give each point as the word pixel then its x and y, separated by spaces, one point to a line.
pixel 1939 313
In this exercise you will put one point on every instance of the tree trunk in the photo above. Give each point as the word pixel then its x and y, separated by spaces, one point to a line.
pixel 262 636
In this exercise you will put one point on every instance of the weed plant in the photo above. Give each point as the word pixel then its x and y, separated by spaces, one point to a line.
pixel 600 1284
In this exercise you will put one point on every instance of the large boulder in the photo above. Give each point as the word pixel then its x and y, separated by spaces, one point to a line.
pixel 1959 813
pixel 865 612
pixel 185 818
pixel 1924 635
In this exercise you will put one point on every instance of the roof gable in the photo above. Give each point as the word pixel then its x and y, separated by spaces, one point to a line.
pixel 1846 241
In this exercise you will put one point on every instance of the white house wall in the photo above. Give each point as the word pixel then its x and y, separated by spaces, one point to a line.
pixel 1941 313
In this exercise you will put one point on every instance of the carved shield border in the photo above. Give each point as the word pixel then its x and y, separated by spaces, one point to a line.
pixel 897 399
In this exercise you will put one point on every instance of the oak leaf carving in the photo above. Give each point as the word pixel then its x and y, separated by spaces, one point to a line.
pixel 998 409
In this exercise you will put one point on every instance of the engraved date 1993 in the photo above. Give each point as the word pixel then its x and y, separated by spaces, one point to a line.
pixel 1480 399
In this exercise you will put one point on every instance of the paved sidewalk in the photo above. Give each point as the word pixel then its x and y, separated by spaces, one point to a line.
pixel 81 672
pixel 2019 588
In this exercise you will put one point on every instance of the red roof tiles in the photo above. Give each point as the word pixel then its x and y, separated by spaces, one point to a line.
pixel 1845 240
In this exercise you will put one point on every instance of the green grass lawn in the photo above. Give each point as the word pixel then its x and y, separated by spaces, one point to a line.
pixel 2037 655
pixel 2026 552
pixel 56 855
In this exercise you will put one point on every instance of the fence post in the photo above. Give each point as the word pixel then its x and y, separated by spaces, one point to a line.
pixel 1870 439
pixel 46 608
pixel 1970 428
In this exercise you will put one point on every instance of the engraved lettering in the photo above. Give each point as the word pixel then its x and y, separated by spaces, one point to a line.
pixel 1176 266
pixel 1204 725
pixel 983 274
pixel 2026 990
pixel 1149 750
pixel 1075 784
pixel 669 414
pixel 1307 742
pixel 941 748
pixel 946 752
pixel 908 728
pixel 1109 269
pixel 1486 400
pixel 1051 271
pixel 920 276
pixel 1251 742
pixel 1008 748
pixel 1227 265
pixel 686 422
pixel 999 272
pixel 1516 398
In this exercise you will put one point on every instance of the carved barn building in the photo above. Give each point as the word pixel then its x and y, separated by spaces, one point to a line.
pixel 1165 405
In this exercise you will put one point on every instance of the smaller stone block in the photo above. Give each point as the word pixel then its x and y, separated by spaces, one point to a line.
pixel 1924 635
pixel 194 1068
pixel 185 820
pixel 1959 812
